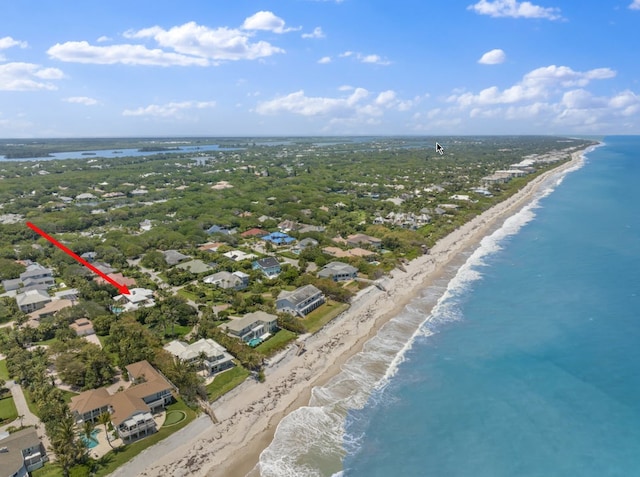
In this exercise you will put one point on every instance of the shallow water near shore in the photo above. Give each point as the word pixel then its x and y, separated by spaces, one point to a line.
pixel 531 366
pixel 344 423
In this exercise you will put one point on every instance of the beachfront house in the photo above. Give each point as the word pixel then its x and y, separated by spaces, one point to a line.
pixel 205 353
pixel 359 240
pixel 131 410
pixel 21 452
pixel 269 266
pixel 301 301
pixel 338 271
pixel 257 325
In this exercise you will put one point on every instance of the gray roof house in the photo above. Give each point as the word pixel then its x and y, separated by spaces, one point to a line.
pixel 21 452
pixel 227 280
pixel 37 274
pixel 32 300
pixel 252 325
pixel 301 301
pixel 10 285
pixel 173 256
pixel 213 356
pixel 338 271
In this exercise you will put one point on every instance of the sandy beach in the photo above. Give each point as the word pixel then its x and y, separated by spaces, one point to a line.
pixel 249 415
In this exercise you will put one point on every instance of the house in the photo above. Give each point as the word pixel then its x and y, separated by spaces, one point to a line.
pixel 353 252
pixel 32 300
pixel 86 196
pixel 137 297
pixel 255 325
pixel 50 309
pixel 205 352
pixel 146 225
pixel 227 280
pixel 11 285
pixel 89 256
pixel 254 232
pixel 278 238
pixel 238 255
pixel 217 229
pixel 104 267
pixel 21 453
pixel 301 301
pixel 173 257
pixel 118 277
pixel 304 243
pixel 267 265
pixel 82 327
pixel 362 239
pixel 211 246
pixel 194 266
pixel 37 274
pixel 130 410
pixel 338 271
pixel 288 225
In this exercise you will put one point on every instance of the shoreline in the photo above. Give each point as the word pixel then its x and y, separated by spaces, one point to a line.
pixel 249 415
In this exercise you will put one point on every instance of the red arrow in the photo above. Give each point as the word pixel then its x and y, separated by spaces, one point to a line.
pixel 122 288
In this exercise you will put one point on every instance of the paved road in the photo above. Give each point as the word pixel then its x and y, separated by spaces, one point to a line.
pixel 29 418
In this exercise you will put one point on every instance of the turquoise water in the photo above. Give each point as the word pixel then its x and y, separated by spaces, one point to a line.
pixel 527 366
pixel 90 443
pixel 531 368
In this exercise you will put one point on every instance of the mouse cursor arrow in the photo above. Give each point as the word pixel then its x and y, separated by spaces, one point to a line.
pixel 439 149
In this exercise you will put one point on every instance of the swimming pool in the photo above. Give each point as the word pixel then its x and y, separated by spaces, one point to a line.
pixel 90 443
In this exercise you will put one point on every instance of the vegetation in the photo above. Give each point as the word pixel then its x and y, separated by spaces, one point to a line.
pixel 322 188
pixel 8 411
pixel 225 382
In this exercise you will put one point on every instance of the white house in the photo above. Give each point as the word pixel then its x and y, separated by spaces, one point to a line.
pixel 301 301
pixel 213 356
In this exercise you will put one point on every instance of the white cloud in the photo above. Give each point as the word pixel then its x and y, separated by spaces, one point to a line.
pixel 81 100
pixel 514 9
pixel 493 57
pixel 324 60
pixel 537 84
pixel 265 20
pixel 316 33
pixel 208 43
pixel 126 54
pixel 358 105
pixel 27 77
pixel 371 59
pixel 169 110
pixel 635 5
pixel 103 38
pixel 8 42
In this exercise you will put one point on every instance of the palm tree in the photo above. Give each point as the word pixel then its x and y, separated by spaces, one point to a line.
pixel 105 420
pixel 87 430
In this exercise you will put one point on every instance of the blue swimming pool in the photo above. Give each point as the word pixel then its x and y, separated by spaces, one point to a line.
pixel 90 443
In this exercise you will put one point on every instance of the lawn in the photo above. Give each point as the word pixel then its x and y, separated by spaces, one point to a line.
pixel 4 374
pixel 187 294
pixel 49 470
pixel 67 395
pixel 8 411
pixel 277 342
pixel 225 382
pixel 115 459
pixel 323 315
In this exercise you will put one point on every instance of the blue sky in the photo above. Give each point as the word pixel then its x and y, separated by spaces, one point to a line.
pixel 318 67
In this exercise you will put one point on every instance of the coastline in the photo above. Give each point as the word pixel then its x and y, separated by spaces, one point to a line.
pixel 249 415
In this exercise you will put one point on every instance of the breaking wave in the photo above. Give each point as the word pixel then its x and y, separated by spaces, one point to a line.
pixel 311 441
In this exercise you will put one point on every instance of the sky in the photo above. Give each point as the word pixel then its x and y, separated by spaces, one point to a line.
pixel 318 67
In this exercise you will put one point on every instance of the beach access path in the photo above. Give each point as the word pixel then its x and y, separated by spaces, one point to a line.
pixel 248 416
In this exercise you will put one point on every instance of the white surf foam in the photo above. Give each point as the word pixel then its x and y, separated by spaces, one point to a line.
pixel 312 441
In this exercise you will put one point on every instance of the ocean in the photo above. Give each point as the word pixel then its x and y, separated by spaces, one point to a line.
pixel 527 365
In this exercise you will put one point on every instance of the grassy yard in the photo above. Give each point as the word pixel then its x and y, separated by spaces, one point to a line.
pixel 323 315
pixel 225 382
pixel 277 342
pixel 187 294
pixel 49 470
pixel 67 395
pixel 8 411
pixel 4 374
pixel 115 459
